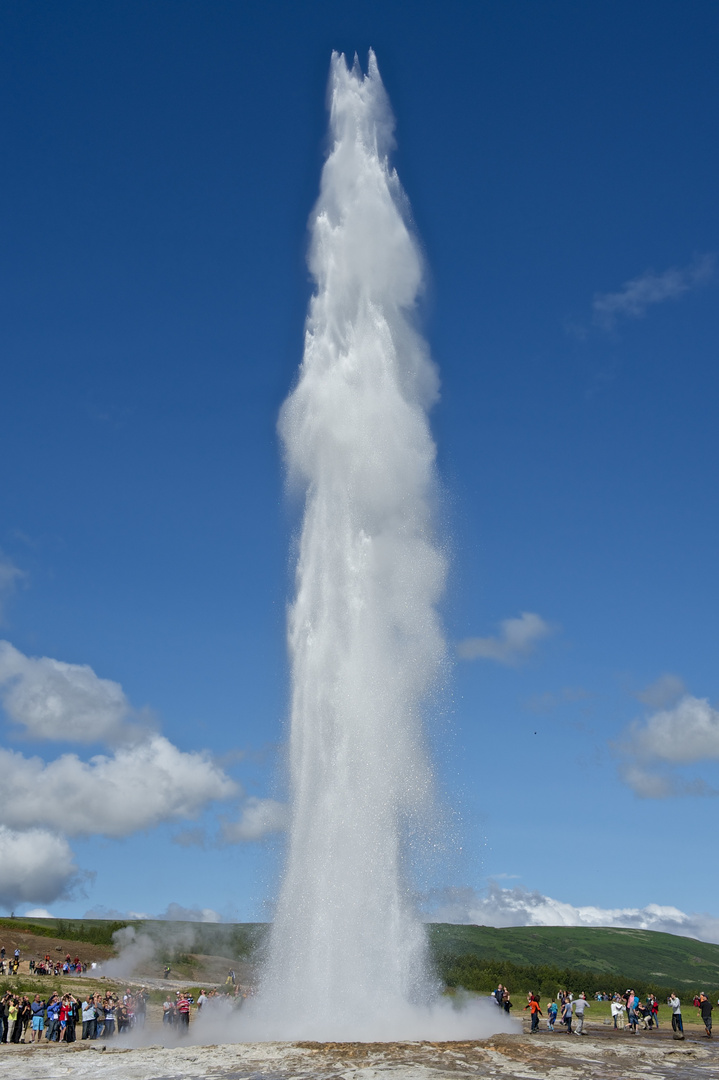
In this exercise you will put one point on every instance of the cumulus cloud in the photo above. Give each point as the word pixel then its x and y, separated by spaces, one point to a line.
pixel 495 906
pixel 67 702
pixel 643 292
pixel 259 818
pixel 139 787
pixel 143 782
pixel 10 575
pixel 663 691
pixel 517 639
pixel 38 913
pixel 687 733
pixel 654 747
pixel 35 867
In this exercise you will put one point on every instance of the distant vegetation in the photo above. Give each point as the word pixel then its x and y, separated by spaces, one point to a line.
pixel 471 973
pixel 94 932
pixel 547 958
pixel 540 958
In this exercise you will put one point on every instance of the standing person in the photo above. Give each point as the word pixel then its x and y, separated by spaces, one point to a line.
pixel 534 1010
pixel 499 995
pixel 4 1003
pixel 551 1015
pixel 141 1008
pixel 579 1006
pixel 705 1008
pixel 53 1019
pixel 676 1007
pixel 14 1024
pixel 654 1009
pixel 108 1009
pixel 168 1010
pixel 38 1019
pixel 99 1016
pixel 506 1001
pixel 567 1014
pixel 183 1010
pixel 72 1017
pixel 89 1018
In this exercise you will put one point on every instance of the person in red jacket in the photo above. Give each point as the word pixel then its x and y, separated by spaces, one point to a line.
pixel 535 1011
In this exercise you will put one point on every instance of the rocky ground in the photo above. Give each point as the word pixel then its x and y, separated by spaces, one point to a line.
pixel 600 1055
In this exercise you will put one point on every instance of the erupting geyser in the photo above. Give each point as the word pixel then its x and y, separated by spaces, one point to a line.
pixel 347 956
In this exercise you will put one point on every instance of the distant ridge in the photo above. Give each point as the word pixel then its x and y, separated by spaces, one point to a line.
pixel 643 955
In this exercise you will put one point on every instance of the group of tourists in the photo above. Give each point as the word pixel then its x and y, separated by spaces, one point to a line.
pixel 44 966
pixel 57 1019
pixel 628 1010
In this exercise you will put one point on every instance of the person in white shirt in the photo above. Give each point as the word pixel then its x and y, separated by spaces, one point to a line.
pixel 676 1007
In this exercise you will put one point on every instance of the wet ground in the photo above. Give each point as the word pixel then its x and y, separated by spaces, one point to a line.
pixel 602 1054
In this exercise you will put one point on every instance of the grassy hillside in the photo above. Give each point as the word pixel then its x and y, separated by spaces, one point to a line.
pixel 464 953
pixel 642 955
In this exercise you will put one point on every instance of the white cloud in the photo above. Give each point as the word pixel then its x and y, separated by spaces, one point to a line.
pixel 139 787
pixel 144 782
pixel 258 819
pixel 637 295
pixel 36 866
pixel 177 913
pixel 10 575
pixel 689 732
pixel 66 702
pixel 653 747
pixel 495 906
pixel 663 691
pixel 517 639
pixel 38 913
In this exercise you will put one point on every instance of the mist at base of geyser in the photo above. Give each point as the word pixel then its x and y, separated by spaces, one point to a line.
pixel 463 1017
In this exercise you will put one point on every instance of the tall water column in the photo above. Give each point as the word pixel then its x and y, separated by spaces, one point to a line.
pixel 347 956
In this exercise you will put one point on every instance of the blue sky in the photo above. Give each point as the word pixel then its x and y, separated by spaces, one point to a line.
pixel 160 164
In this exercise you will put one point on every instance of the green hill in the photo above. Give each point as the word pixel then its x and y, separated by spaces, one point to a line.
pixel 466 955
pixel 641 955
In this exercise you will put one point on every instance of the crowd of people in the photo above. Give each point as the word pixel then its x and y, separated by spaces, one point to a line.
pixel 627 1009
pixel 44 966
pixel 57 1018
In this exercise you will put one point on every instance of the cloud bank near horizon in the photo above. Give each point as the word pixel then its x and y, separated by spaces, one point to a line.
pixel 497 906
